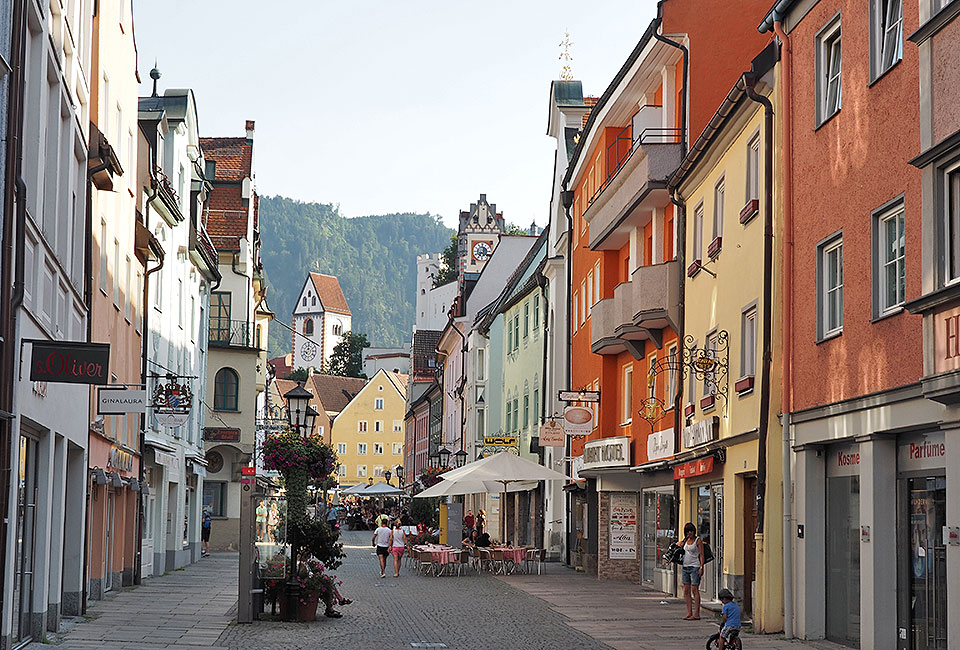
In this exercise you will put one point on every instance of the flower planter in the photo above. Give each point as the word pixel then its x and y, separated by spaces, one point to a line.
pixel 308 610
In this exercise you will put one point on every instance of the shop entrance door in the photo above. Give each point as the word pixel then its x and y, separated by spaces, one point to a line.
pixel 843 560
pixel 108 560
pixel 708 500
pixel 749 540
pixel 26 540
pixel 927 554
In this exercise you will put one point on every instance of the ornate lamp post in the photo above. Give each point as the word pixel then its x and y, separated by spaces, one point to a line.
pixel 387 475
pixel 301 417
pixel 444 457
pixel 434 460
pixel 399 470
pixel 460 458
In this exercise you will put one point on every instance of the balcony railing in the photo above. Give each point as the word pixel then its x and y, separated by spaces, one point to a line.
pixel 231 333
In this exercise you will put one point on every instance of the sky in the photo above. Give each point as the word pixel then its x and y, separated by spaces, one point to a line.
pixel 383 106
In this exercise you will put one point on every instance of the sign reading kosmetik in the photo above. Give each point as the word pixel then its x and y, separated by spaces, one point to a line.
pixel 607 452
pixel 68 362
pixel 117 401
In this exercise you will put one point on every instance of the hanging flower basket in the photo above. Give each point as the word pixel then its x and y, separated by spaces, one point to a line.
pixel 431 475
pixel 287 451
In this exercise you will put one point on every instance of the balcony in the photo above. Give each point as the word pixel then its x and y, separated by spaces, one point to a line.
pixel 611 324
pixel 231 334
pixel 640 162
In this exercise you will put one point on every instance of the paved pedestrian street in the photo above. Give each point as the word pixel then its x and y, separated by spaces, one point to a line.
pixel 196 607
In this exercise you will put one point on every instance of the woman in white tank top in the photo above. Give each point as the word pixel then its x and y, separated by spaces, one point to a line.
pixel 692 570
pixel 398 546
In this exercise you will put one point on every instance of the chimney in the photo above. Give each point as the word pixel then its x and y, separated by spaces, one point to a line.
pixel 249 126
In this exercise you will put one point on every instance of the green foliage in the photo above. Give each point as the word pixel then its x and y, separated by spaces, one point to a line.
pixel 347 357
pixel 300 374
pixel 424 511
pixel 448 272
pixel 374 257
pixel 514 229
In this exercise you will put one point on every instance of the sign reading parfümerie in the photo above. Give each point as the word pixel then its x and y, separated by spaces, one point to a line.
pixel 117 401
pixel 607 452
pixel 69 362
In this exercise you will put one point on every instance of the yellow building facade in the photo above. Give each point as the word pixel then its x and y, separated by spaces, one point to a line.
pixel 730 460
pixel 368 433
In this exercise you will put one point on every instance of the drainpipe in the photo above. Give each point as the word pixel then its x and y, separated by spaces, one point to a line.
pixel 683 95
pixel 566 198
pixel 681 252
pixel 786 122
pixel 748 81
pixel 541 531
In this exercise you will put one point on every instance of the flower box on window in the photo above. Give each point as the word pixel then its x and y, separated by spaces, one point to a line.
pixel 689 410
pixel 714 246
pixel 707 402
pixel 694 268
pixel 750 210
pixel 744 385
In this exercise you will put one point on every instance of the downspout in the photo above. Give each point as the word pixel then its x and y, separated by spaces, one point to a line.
pixel 748 82
pixel 681 253
pixel 13 222
pixel 566 198
pixel 786 123
pixel 541 531
pixel 686 70
pixel 233 267
pixel 463 378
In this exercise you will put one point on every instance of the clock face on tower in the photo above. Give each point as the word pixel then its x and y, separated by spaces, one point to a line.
pixel 308 351
pixel 482 251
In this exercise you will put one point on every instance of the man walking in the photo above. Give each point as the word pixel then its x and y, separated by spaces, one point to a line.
pixel 381 540
pixel 205 525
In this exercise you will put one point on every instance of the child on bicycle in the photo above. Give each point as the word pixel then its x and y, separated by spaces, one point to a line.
pixel 729 617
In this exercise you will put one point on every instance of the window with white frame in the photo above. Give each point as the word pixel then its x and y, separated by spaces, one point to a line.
pixel 526 320
pixel 718 210
pixel 536 312
pixel 886 35
pixel 889 268
pixel 128 298
pixel 584 302
pixel 526 411
pixel 362 448
pixel 481 422
pixel 671 376
pixel 951 229
pixel 104 257
pixel 362 426
pixel 378 404
pixel 576 306
pixel 626 398
pixel 748 342
pixel 590 298
pixel 361 471
pixel 697 234
pixel 378 449
pixel 378 471
pixel 830 286
pixel 341 448
pixel 378 426
pixel 481 364
pixel 516 331
pixel 341 470
pixel 516 414
pixel 397 448
pixel 828 70
pixel 753 168
pixel 596 282
pixel 507 421
pixel 398 426
pixel 536 406
pixel 116 273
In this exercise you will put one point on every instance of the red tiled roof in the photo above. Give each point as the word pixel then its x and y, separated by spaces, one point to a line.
pixel 335 392
pixel 589 101
pixel 227 215
pixel 234 157
pixel 330 294
pixel 282 366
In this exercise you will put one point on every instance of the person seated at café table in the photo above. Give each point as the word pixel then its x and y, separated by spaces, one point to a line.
pixel 483 540
pixel 470 540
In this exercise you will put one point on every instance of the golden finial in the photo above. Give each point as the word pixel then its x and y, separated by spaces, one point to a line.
pixel 566 72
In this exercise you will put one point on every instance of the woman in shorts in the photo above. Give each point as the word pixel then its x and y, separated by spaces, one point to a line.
pixel 398 546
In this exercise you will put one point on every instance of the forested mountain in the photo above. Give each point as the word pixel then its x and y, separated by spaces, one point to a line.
pixel 374 257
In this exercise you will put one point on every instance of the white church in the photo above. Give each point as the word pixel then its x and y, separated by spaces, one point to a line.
pixel 320 318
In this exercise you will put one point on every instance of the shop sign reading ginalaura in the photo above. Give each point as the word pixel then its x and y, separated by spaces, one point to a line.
pixel 607 452
pixel 117 401
pixel 69 362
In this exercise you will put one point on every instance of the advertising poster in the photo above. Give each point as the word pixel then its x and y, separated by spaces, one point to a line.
pixel 623 526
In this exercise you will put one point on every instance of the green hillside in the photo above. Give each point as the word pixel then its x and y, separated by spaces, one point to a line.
pixel 374 257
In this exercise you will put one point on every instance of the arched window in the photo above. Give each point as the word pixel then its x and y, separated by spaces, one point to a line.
pixel 308 327
pixel 337 329
pixel 226 387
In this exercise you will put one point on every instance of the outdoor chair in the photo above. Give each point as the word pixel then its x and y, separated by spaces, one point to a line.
pixel 463 558
pixel 534 556
pixel 486 559
pixel 475 558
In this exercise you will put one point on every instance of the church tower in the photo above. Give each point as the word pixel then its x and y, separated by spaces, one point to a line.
pixel 320 319
pixel 478 234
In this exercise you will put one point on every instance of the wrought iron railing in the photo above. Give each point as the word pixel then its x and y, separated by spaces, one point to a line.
pixel 230 333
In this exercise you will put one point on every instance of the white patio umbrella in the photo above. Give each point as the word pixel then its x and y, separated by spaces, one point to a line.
pixel 381 489
pixel 504 468
pixel 355 489
pixel 450 488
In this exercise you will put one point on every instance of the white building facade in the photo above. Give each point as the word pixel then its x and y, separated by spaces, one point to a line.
pixel 320 319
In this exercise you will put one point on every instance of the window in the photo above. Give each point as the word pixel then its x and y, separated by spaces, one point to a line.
pixel 361 449
pixel 697 234
pixel 313 301
pixel 952 224
pixel 584 302
pixel 889 272
pixel 672 365
pixel 481 364
pixel 596 282
pixel 304 301
pixel 104 257
pixel 378 449
pixel 378 426
pixel 116 273
pixel 526 411
pixel 507 421
pixel 341 471
pixel 397 448
pixel 378 471
pixel 516 331
pixel 753 168
pixel 626 397
pixel 214 496
pixel 378 404
pixel 509 337
pixel 536 312
pixel 308 327
pixel 526 319
pixel 226 387
pixel 718 211
pixel 180 303
pixel 536 406
pixel 748 342
pixel 692 381
pixel 481 422
pixel 361 426
pixel 341 448
pixel 590 299
pixel 337 329
pixel 220 316
pixel 398 426
pixel 138 321
pixel 886 35
pixel 128 297
pixel 516 414
pixel 361 471
pixel 830 287
pixel 576 306
pixel 828 71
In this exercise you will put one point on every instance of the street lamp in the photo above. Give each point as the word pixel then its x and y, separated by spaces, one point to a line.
pixel 399 470
pixel 444 457
pixel 434 460
pixel 310 418
pixel 460 458
pixel 298 401
pixel 387 475
pixel 301 417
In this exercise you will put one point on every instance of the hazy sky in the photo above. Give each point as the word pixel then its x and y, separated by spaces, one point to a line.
pixel 386 105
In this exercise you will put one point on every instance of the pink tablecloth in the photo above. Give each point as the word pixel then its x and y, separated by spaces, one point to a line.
pixel 440 554
pixel 517 555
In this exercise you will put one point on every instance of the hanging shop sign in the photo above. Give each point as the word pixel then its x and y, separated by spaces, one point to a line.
pixel 660 445
pixel 693 468
pixel 578 420
pixel 623 526
pixel 120 459
pixel 579 396
pixel 221 434
pixel 551 434
pixel 117 401
pixel 496 444
pixel 701 432
pixel 607 452
pixel 68 362
pixel 946 340
pixel 172 402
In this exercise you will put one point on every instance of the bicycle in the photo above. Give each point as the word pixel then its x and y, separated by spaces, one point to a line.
pixel 733 643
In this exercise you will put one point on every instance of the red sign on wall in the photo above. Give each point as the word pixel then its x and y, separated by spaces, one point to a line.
pixel 68 362
pixel 694 468
pixel 221 434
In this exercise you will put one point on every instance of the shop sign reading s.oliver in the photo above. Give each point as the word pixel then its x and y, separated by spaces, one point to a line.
pixel 69 362
pixel 607 452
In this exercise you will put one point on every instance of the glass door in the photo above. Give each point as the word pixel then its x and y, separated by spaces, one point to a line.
pixel 926 522
pixel 708 500
pixel 26 539
pixel 843 560
pixel 108 560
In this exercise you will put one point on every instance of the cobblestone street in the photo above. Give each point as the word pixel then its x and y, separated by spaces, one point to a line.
pixel 195 607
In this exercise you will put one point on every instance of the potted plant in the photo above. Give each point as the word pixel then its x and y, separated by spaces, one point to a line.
pixel 315 586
